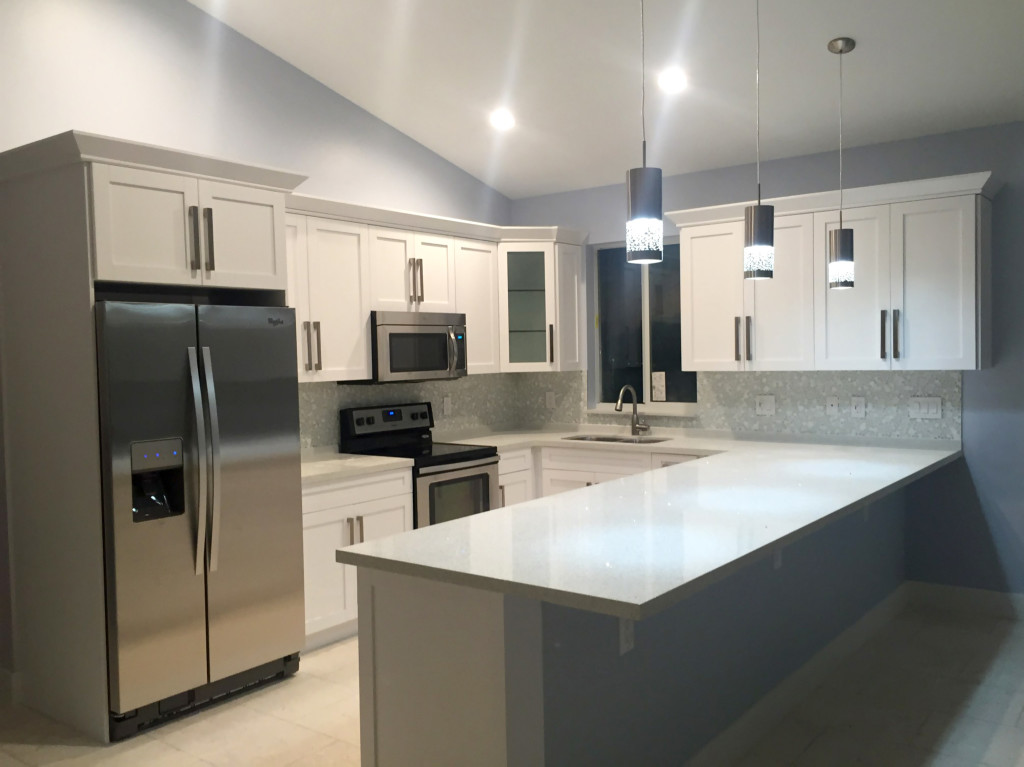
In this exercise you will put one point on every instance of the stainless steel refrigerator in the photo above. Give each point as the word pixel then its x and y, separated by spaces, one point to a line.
pixel 202 503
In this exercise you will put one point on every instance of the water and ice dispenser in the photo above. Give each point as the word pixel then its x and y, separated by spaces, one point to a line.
pixel 158 479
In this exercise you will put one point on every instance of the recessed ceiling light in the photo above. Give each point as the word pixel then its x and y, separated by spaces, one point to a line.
pixel 672 80
pixel 502 119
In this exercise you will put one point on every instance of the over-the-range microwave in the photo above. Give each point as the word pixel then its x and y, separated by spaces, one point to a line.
pixel 418 346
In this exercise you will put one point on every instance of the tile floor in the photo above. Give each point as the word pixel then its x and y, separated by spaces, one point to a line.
pixel 931 690
pixel 311 719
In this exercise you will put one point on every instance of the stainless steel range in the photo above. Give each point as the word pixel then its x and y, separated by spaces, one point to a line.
pixel 450 480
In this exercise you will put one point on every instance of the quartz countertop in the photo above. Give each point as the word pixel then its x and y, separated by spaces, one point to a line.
pixel 321 465
pixel 632 546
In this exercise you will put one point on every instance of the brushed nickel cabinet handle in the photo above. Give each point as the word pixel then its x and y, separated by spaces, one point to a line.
pixel 412 280
pixel 501 489
pixel 895 334
pixel 211 262
pixel 362 529
pixel 750 336
pixel 319 351
pixel 351 531
pixel 551 343
pixel 736 339
pixel 309 345
pixel 193 219
pixel 419 265
pixel 884 316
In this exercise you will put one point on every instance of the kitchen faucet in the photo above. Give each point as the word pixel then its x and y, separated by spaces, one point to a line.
pixel 637 426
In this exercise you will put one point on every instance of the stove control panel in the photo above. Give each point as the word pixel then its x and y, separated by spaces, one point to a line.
pixel 362 421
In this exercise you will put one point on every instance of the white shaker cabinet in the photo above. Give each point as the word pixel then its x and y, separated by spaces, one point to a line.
pixel 338 515
pixel 934 284
pixel 329 287
pixel 540 304
pixel 166 228
pixel 476 296
pixel 852 324
pixel 435 264
pixel 515 476
pixel 411 272
pixel 729 323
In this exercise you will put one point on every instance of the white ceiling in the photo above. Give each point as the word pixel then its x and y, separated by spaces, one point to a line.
pixel 570 72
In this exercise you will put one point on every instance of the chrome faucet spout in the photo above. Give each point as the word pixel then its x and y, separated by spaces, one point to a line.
pixel 636 426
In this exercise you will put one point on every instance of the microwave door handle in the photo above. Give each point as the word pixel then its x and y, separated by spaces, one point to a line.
pixel 197 404
pixel 453 351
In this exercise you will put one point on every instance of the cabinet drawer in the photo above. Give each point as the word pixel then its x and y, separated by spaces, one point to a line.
pixel 515 460
pixel 357 490
pixel 576 459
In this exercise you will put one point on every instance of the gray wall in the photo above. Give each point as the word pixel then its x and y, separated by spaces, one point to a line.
pixel 965 526
pixel 164 72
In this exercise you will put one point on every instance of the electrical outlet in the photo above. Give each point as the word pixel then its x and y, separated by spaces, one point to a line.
pixel 832 406
pixel 626 637
pixel 926 407
pixel 858 407
pixel 764 404
pixel 446 406
pixel 549 399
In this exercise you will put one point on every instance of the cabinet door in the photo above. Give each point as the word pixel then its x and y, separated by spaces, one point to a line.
pixel 526 303
pixel 476 294
pixel 146 226
pixel 435 258
pixel 339 299
pixel 515 487
pixel 711 293
pixel 246 248
pixel 391 270
pixel 329 587
pixel 383 517
pixel 297 294
pixel 849 329
pixel 934 284
pixel 559 481
pixel 780 331
pixel 570 308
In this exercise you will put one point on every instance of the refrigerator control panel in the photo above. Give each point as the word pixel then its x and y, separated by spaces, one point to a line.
pixel 156 454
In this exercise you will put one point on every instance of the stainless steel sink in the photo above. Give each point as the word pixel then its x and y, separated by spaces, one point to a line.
pixel 620 440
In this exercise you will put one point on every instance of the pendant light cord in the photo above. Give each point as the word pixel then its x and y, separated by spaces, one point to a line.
pixel 841 140
pixel 757 97
pixel 643 85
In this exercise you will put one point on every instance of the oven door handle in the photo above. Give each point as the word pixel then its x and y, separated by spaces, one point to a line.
pixel 452 467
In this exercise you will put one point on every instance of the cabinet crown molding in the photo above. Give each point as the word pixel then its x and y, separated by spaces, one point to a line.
pixel 429 224
pixel 857 197
pixel 77 146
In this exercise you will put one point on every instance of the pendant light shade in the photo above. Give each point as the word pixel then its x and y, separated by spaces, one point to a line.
pixel 644 226
pixel 840 258
pixel 840 241
pixel 758 220
pixel 759 242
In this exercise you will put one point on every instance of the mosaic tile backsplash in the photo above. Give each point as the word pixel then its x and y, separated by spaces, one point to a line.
pixel 725 402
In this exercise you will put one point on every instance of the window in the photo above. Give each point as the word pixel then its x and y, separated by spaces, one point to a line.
pixel 638 331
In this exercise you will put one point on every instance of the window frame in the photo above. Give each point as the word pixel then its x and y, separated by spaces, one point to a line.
pixel 594 405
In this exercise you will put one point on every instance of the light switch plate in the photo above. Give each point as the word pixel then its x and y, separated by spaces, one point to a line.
pixel 926 407
pixel 446 406
pixel 832 406
pixel 858 407
pixel 764 404
pixel 658 386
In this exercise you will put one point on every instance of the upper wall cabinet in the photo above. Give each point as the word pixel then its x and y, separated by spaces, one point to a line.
pixel 411 272
pixel 920 296
pixel 540 303
pixel 737 324
pixel 166 228
pixel 476 294
pixel 329 288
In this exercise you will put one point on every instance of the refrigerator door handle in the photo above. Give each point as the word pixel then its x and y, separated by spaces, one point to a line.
pixel 214 492
pixel 197 404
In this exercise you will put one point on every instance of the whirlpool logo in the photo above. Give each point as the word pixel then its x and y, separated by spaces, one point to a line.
pixel 274 321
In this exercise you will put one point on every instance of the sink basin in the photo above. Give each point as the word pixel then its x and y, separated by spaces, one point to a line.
pixel 621 440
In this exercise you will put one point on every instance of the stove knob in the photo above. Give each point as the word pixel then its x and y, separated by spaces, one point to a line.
pixel 360 421
pixel 370 420
pixel 415 416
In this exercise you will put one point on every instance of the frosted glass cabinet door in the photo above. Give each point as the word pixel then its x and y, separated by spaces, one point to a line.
pixel 850 330
pixel 526 300
pixel 934 284
pixel 146 226
pixel 246 247
pixel 711 295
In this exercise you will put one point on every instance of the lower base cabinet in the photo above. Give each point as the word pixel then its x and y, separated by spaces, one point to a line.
pixel 328 524
pixel 515 477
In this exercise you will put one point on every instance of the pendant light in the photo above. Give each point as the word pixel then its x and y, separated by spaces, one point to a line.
pixel 644 228
pixel 758 220
pixel 840 241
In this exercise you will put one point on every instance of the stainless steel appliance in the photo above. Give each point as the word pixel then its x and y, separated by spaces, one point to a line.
pixel 418 346
pixel 451 480
pixel 202 503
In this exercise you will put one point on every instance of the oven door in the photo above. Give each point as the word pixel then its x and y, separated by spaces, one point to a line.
pixel 416 352
pixel 456 490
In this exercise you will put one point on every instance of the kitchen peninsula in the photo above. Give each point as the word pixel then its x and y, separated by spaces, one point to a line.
pixel 627 622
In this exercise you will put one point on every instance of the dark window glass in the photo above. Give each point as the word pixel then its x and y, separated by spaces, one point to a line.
pixel 666 332
pixel 619 313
